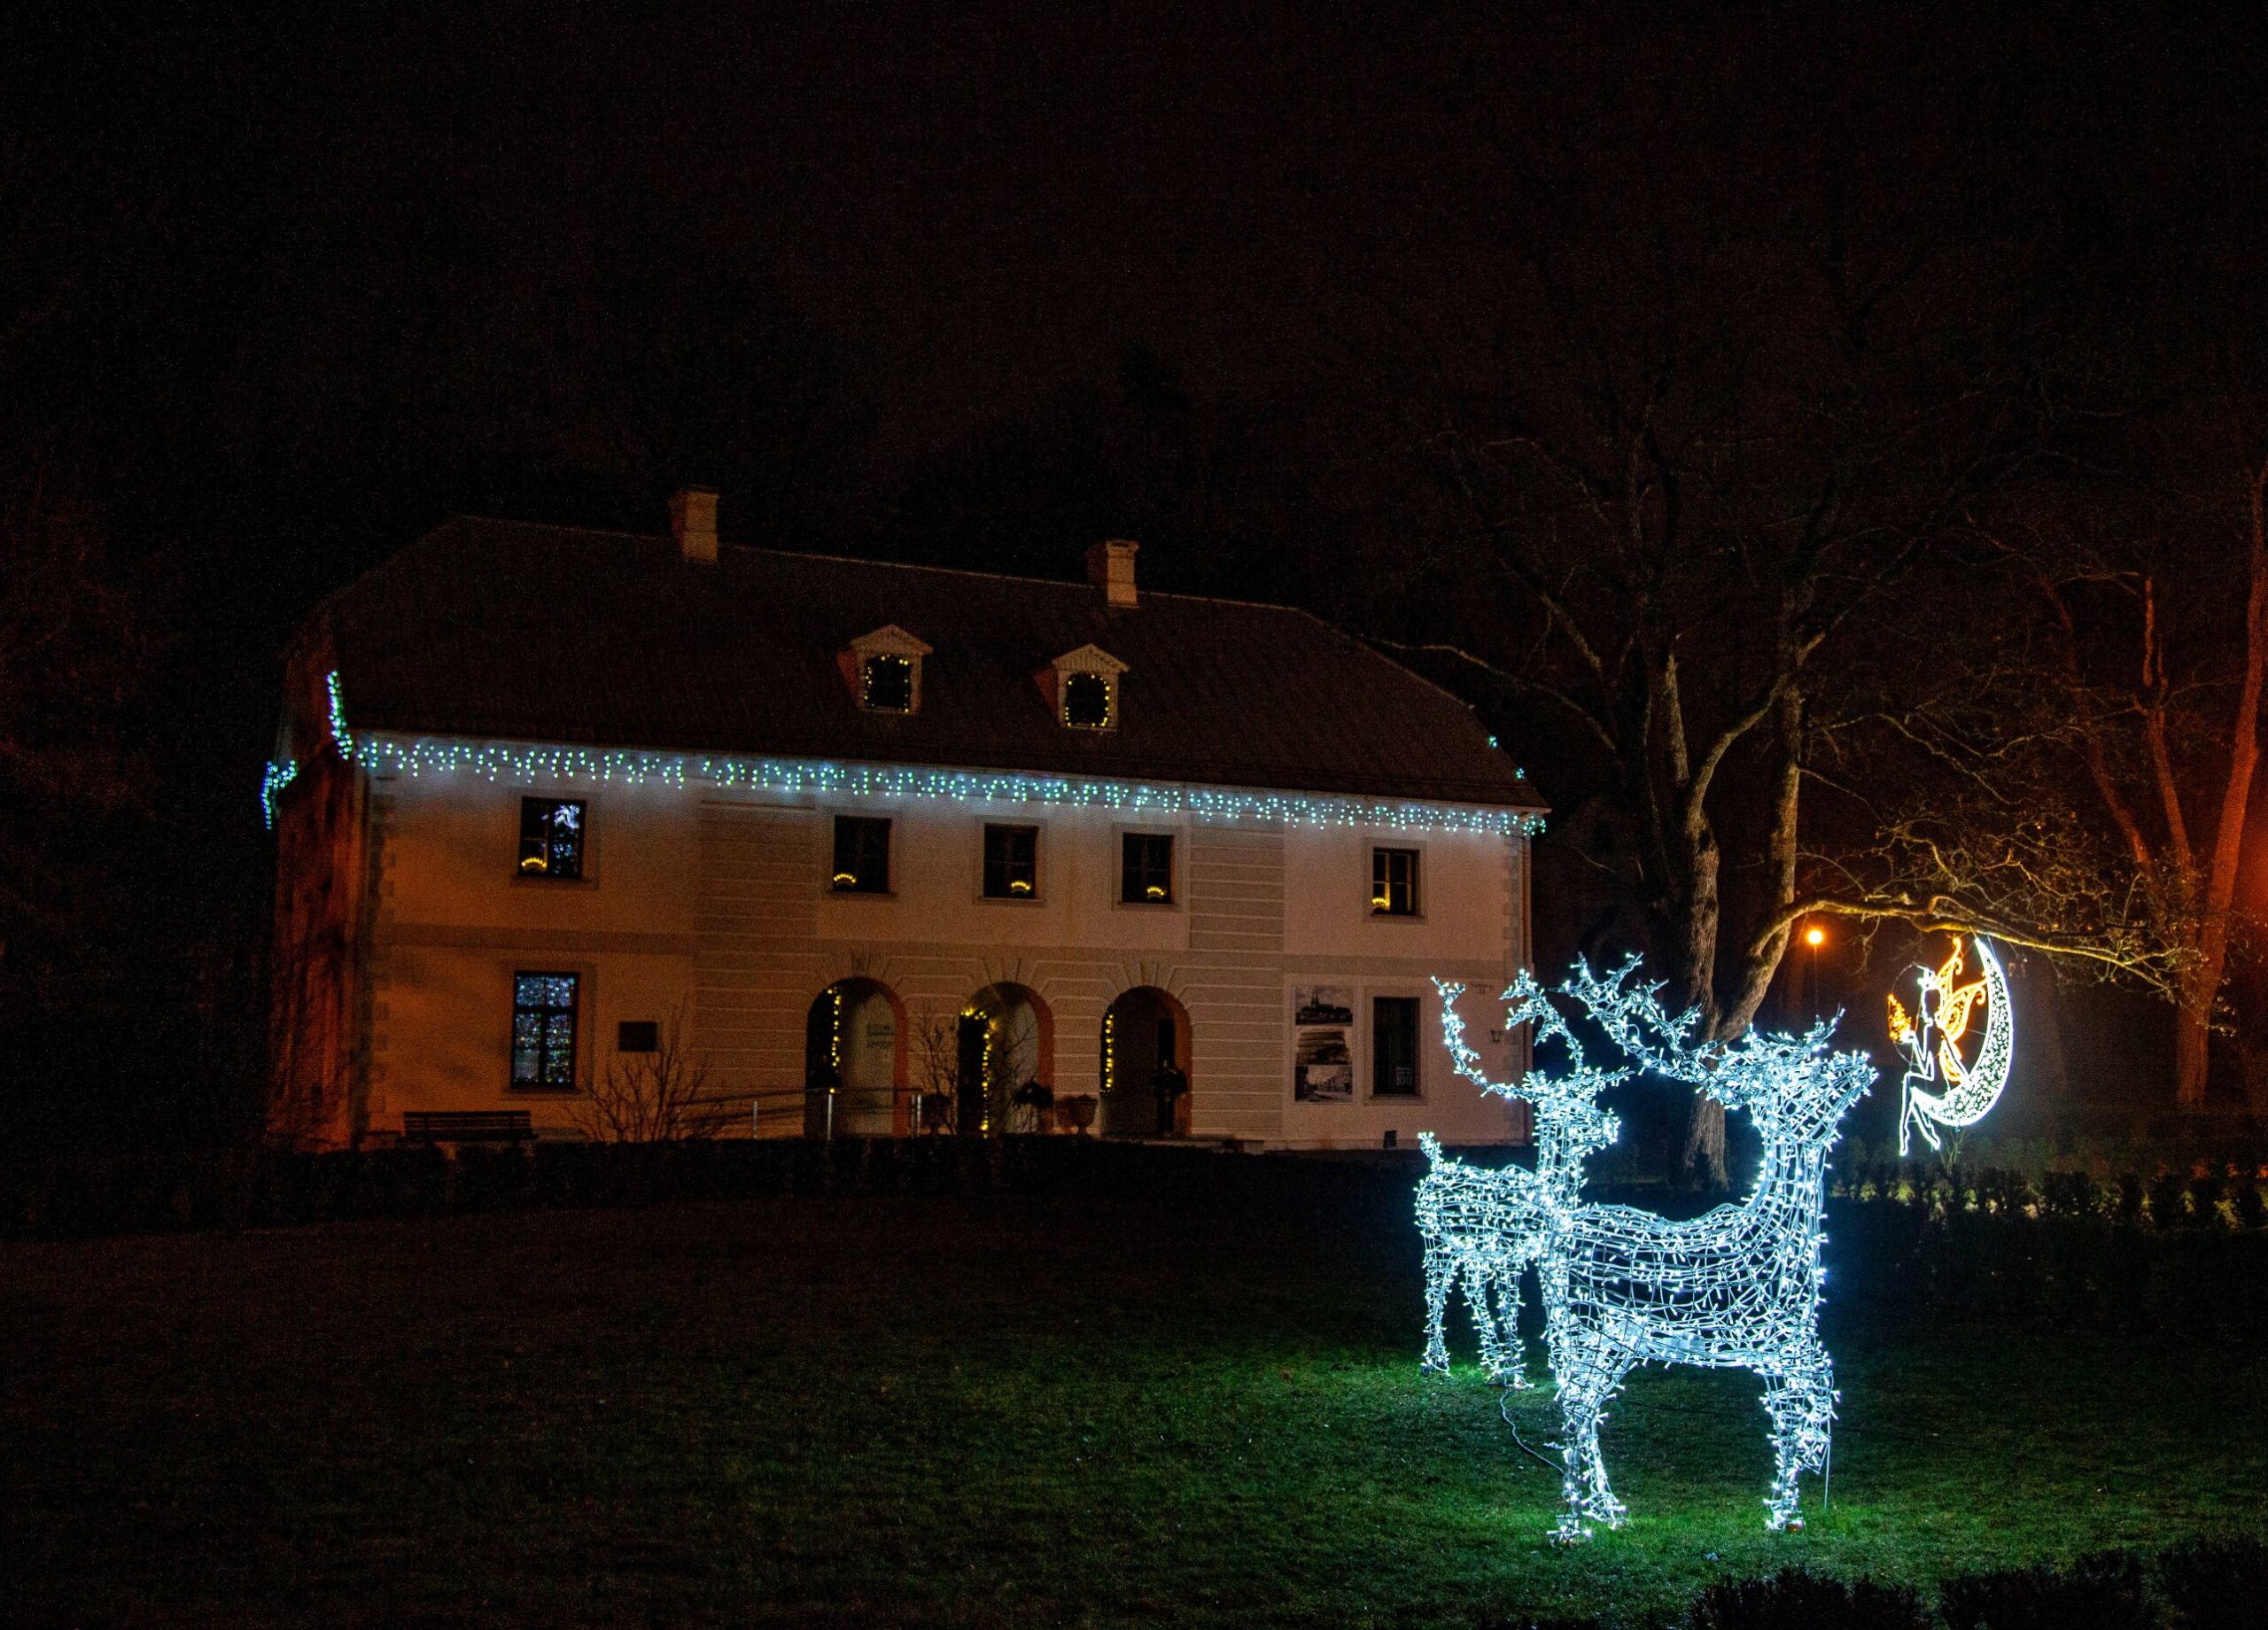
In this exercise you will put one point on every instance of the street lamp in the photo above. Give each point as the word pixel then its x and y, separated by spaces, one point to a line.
pixel 1814 936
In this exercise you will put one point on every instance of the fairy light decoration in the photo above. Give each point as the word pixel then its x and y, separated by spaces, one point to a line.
pixel 1481 1226
pixel 1932 1045
pixel 1738 1288
pixel 416 757
pixel 339 732
pixel 273 780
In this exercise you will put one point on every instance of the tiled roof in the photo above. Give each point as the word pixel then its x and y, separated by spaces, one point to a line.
pixel 494 628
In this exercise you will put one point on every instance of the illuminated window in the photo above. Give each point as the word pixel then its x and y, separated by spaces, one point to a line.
pixel 551 838
pixel 1011 863
pixel 543 1028
pixel 1393 882
pixel 1146 869
pixel 886 684
pixel 861 855
pixel 1393 1046
pixel 1087 700
pixel 883 669
pixel 638 1036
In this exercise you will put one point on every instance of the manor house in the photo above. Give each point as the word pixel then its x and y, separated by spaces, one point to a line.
pixel 871 849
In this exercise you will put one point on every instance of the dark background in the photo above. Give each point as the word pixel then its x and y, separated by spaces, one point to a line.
pixel 284 286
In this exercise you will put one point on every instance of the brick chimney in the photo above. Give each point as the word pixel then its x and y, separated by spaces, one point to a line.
pixel 692 521
pixel 1110 567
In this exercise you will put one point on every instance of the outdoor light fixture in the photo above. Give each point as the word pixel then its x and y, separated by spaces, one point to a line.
pixel 511 762
pixel 1931 1044
pixel 1814 937
pixel 1737 1289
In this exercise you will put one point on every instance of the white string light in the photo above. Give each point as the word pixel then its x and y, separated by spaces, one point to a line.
pixel 385 753
pixel 1482 1227
pixel 1737 1289
pixel 338 730
pixel 273 780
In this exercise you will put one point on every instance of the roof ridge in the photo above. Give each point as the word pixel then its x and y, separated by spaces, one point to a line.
pixel 868 560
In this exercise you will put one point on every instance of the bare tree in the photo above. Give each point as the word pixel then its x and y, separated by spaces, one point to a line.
pixel 653 1097
pixel 933 1047
pixel 1683 550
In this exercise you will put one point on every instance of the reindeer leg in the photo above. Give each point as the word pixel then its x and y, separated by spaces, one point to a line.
pixel 1440 1280
pixel 1801 1402
pixel 1585 1384
pixel 1479 1289
pixel 1508 1359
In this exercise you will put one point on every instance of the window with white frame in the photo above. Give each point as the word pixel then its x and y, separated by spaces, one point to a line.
pixel 544 1010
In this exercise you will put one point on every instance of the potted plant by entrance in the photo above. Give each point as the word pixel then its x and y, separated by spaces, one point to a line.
pixel 1171 1085
pixel 1078 1111
pixel 1037 1100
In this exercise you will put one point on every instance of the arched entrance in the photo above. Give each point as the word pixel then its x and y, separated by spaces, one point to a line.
pixel 854 1041
pixel 1144 1058
pixel 1007 1042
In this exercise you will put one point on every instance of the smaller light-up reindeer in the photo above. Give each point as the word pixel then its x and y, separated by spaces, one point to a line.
pixel 1737 1289
pixel 1483 1226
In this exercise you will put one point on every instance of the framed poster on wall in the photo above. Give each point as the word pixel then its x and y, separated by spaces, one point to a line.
pixel 1323 1053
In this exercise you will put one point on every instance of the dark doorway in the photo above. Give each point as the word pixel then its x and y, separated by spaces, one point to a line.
pixel 1146 1065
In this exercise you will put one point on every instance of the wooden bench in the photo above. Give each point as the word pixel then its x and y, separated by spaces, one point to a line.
pixel 466 1126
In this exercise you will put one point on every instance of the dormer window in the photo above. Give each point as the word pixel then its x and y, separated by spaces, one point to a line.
pixel 1086 701
pixel 883 669
pixel 886 683
pixel 1082 688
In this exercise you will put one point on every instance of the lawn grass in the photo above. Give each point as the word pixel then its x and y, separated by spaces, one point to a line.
pixel 994 1409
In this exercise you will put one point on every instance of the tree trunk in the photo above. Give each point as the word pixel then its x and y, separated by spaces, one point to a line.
pixel 1701 1162
pixel 2050 1074
pixel 2193 1028
pixel 2194 1022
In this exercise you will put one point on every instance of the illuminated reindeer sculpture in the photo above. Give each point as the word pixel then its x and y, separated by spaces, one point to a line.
pixel 1735 1289
pixel 1482 1226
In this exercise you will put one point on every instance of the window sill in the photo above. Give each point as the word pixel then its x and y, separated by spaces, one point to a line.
pixel 1011 899
pixel 538 880
pixel 519 1090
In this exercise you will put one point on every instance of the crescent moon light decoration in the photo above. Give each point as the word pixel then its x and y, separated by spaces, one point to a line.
pixel 1939 1088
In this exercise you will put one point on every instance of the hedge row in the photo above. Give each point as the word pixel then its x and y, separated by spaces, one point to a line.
pixel 127 1193
pixel 2184 1255
pixel 2190 1589
pixel 2231 1200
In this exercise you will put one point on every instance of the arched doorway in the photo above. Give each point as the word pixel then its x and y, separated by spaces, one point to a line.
pixel 854 1041
pixel 1144 1049
pixel 1007 1042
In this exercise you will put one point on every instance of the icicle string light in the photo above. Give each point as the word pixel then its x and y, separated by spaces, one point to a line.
pixel 1737 1289
pixel 386 754
pixel 338 730
pixel 273 780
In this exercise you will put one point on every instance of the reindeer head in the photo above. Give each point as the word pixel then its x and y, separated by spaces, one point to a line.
pixel 1570 1123
pixel 1795 1090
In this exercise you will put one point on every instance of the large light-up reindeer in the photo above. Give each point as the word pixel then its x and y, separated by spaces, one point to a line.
pixel 1738 1288
pixel 1482 1226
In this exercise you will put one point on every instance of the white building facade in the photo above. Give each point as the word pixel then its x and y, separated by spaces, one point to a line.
pixel 1012 923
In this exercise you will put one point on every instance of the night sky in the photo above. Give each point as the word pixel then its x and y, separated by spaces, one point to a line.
pixel 286 285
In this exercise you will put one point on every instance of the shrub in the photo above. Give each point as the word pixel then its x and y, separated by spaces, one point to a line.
pixel 2215 1585
pixel 2097 1593
pixel 1795 1600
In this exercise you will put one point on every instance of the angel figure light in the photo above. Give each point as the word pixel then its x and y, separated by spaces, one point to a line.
pixel 1940 1088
